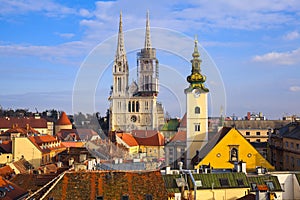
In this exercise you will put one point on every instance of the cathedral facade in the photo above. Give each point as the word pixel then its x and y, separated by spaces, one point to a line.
pixel 134 106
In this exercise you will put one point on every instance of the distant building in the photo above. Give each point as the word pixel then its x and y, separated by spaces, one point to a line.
pixel 27 124
pixel 37 150
pixel 284 144
pixel 9 190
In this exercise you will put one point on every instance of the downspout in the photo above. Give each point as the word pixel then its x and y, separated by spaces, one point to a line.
pixel 193 180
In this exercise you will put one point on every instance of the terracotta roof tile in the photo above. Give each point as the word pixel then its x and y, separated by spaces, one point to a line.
pixel 183 122
pixel 150 138
pixel 42 139
pixel 110 185
pixel 8 122
pixel 179 137
pixel 13 191
pixel 63 119
pixel 73 144
pixel 6 170
pixel 128 139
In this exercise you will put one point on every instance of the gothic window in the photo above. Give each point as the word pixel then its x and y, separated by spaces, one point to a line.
pixel 115 68
pixel 234 154
pixel 129 106
pixel 197 110
pixel 132 106
pixel 146 105
pixel 137 106
pixel 119 84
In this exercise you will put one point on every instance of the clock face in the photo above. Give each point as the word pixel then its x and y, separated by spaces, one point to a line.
pixel 196 92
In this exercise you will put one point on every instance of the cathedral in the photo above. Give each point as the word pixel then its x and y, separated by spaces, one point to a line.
pixel 134 106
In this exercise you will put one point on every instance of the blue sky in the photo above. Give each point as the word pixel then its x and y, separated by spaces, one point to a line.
pixel 254 45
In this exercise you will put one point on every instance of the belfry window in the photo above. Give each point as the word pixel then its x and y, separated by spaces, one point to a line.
pixel 197 110
pixel 137 105
pixel 197 127
pixel 133 106
pixel 129 106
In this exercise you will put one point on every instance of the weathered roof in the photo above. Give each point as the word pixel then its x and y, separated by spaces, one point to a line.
pixel 6 171
pixel 256 124
pixel 180 136
pixel 110 185
pixel 262 179
pixel 63 119
pixel 12 191
pixel 8 122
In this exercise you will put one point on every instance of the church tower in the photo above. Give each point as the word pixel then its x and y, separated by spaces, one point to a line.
pixel 196 108
pixel 135 106
pixel 120 82
pixel 147 66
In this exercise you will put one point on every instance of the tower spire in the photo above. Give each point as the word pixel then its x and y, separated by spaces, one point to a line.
pixel 120 47
pixel 196 79
pixel 147 35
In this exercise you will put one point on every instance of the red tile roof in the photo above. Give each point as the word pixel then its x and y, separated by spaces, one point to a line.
pixel 110 185
pixel 42 139
pixel 179 137
pixel 13 191
pixel 151 139
pixel 73 144
pixel 128 139
pixel 183 122
pixel 6 171
pixel 8 122
pixel 63 119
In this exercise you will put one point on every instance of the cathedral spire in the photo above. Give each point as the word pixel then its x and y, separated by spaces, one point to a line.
pixel 120 47
pixel 196 79
pixel 147 35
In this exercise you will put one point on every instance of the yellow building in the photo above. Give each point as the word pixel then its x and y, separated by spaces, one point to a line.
pixel 227 148
pixel 37 150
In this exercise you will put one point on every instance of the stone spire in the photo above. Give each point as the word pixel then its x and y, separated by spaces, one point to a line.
pixel 147 35
pixel 120 47
pixel 196 79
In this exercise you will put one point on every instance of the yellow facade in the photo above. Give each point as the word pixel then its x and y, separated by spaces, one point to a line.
pixel 24 148
pixel 152 151
pixel 228 194
pixel 5 158
pixel 220 156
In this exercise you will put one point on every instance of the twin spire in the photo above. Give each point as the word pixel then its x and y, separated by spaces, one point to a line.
pixel 121 46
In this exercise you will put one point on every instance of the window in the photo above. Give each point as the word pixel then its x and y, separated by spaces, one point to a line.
pixel 240 182
pixel 247 133
pixel 129 106
pixel 132 106
pixel 257 140
pixel 253 186
pixel 234 154
pixel 286 144
pixel 257 133
pixel 137 106
pixel 146 105
pixel 298 162
pixel 99 198
pixel 197 110
pixel 148 197
pixel 270 185
pixel 197 127
pixel 224 182
pixel 125 197
pixel 297 146
pixel 292 145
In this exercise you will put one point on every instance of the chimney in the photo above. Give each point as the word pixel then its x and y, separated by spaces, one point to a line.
pixel 180 164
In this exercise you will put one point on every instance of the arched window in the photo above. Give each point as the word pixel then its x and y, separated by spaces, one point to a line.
pixel 137 105
pixel 129 106
pixel 197 110
pixel 132 106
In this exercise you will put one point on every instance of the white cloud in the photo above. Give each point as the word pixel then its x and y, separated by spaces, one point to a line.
pixel 49 8
pixel 65 35
pixel 294 88
pixel 85 13
pixel 280 58
pixel 292 35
